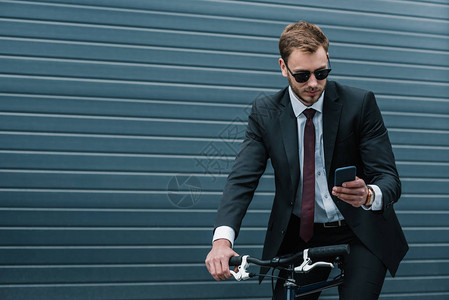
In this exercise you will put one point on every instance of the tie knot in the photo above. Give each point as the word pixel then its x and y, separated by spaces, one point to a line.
pixel 309 113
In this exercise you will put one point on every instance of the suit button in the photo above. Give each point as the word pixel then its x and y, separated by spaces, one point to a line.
pixel 282 231
pixel 291 203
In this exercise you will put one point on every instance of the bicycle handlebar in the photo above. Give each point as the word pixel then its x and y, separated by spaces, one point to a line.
pixel 314 254
pixel 328 251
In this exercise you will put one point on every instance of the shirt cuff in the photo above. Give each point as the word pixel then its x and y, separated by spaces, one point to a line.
pixel 224 232
pixel 378 201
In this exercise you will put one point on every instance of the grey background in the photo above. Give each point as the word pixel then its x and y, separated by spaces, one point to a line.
pixel 119 121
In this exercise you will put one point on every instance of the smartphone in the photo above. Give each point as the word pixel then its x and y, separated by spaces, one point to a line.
pixel 344 174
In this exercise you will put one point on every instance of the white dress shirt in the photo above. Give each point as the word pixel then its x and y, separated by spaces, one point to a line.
pixel 325 208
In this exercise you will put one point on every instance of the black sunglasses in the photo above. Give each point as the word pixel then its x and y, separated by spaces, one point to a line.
pixel 304 76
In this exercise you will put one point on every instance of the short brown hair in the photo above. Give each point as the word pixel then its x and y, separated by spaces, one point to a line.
pixel 304 36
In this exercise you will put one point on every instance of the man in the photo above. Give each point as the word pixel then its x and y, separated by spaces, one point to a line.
pixel 308 130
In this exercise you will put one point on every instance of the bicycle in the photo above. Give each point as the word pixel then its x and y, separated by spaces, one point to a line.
pixel 332 256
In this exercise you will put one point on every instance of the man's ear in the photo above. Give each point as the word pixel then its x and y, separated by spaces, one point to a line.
pixel 283 67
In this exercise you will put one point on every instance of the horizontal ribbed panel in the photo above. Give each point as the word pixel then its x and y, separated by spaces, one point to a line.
pixel 120 120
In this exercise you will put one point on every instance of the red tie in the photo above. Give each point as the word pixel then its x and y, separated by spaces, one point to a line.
pixel 308 183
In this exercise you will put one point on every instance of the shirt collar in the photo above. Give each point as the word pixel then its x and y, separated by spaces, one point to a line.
pixel 298 107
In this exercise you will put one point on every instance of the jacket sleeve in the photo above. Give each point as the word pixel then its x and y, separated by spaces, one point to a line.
pixel 377 154
pixel 249 165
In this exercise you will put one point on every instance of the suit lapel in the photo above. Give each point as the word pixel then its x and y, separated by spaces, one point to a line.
pixel 289 129
pixel 331 120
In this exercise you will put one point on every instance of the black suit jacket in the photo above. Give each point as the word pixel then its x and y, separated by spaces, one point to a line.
pixel 353 134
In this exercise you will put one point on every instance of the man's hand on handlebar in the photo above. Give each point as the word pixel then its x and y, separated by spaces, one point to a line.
pixel 217 261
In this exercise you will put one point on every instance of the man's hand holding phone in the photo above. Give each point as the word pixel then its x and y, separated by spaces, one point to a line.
pixel 350 188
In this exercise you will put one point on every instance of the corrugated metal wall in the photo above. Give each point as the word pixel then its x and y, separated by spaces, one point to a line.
pixel 119 121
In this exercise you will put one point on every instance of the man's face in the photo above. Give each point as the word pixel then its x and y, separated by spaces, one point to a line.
pixel 310 91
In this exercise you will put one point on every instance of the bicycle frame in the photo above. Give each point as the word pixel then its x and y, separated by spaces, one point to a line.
pixel 293 290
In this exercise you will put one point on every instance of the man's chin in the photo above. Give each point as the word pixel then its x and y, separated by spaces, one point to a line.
pixel 310 99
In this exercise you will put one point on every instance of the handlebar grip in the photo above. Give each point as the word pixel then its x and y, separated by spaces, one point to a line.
pixel 328 251
pixel 235 261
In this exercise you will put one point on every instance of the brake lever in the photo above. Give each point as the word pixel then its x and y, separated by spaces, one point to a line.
pixel 307 265
pixel 242 274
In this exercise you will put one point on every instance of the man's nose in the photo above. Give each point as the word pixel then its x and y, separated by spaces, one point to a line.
pixel 312 82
